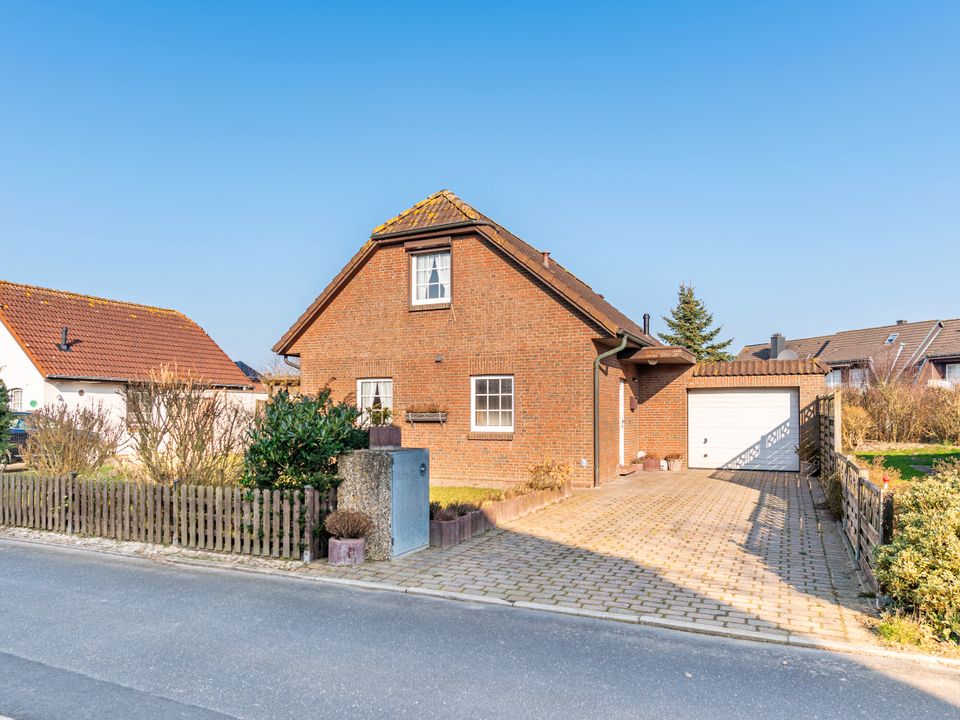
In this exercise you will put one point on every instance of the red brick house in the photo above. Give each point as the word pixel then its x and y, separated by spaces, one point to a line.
pixel 495 357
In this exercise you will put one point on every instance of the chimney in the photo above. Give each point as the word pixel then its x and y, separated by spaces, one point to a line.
pixel 777 345
pixel 646 323
pixel 546 258
pixel 901 322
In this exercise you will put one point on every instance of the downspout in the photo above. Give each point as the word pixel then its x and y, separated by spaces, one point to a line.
pixel 596 406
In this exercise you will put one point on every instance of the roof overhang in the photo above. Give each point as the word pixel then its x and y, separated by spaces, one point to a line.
pixel 662 356
pixel 123 381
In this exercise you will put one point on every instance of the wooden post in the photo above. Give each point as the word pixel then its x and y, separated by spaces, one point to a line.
pixel 309 501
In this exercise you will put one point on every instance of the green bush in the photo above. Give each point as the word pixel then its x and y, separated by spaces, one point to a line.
pixel 296 441
pixel 920 568
pixel 6 419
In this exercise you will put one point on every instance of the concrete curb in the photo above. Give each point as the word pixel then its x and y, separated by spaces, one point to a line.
pixel 789 640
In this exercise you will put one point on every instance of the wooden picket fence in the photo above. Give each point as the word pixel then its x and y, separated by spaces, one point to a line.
pixel 269 523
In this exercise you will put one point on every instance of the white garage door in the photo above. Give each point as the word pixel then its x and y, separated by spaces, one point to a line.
pixel 755 429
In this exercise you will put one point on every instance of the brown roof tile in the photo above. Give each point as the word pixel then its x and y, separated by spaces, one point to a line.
pixel 111 339
pixel 947 343
pixel 851 346
pixel 443 209
pixel 754 368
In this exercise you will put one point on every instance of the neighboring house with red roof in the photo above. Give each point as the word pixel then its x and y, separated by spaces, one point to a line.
pixel 925 352
pixel 495 357
pixel 58 346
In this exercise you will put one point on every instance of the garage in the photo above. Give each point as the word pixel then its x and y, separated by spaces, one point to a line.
pixel 744 428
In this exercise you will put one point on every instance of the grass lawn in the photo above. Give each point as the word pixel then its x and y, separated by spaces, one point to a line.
pixel 447 495
pixel 905 460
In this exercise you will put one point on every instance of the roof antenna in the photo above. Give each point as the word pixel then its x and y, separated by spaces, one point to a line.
pixel 64 346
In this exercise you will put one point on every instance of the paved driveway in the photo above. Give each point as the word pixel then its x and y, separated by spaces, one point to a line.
pixel 741 550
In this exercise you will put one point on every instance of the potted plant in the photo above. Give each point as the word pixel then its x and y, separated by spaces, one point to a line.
pixel 383 433
pixel 426 412
pixel 347 529
pixel 650 463
pixel 674 462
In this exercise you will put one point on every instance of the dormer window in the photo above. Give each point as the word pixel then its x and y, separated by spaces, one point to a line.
pixel 430 278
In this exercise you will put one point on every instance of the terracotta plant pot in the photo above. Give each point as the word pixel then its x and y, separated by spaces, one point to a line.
pixel 345 551
pixel 650 464
pixel 384 436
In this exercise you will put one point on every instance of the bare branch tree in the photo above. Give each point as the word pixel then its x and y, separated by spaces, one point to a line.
pixel 62 440
pixel 181 428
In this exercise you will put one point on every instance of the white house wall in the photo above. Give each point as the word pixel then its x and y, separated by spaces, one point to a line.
pixel 18 371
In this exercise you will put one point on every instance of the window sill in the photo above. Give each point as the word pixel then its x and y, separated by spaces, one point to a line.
pixel 429 306
pixel 490 436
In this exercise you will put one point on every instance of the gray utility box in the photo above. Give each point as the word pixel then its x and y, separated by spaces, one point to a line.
pixel 393 488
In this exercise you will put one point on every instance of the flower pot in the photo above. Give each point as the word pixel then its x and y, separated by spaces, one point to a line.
pixel 650 464
pixel 345 551
pixel 384 437
pixel 674 464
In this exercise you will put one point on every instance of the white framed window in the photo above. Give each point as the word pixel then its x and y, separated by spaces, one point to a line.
pixel 952 373
pixel 430 278
pixel 835 378
pixel 374 394
pixel 491 403
pixel 15 397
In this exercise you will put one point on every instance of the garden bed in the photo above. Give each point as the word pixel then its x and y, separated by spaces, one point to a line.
pixel 493 513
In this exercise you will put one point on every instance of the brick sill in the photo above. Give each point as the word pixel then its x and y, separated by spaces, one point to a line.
pixel 431 306
pixel 490 436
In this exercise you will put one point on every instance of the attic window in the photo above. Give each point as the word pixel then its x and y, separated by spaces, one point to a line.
pixel 430 278
pixel 891 338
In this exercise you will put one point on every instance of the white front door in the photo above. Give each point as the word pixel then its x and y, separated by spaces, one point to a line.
pixel 744 429
pixel 622 419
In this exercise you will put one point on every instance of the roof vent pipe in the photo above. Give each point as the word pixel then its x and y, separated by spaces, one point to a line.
pixel 646 323
pixel 777 345
pixel 64 345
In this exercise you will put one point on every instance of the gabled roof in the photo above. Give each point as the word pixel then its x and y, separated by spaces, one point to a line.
pixel 444 210
pixel 947 342
pixel 758 368
pixel 109 339
pixel 859 346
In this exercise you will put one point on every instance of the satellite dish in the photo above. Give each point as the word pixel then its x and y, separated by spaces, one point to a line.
pixel 788 355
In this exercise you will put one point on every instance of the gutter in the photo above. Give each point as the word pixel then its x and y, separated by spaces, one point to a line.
pixel 624 338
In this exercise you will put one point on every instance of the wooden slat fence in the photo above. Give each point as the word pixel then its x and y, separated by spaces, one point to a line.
pixel 269 523
pixel 867 508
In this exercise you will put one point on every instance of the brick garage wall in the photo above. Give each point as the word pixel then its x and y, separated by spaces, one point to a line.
pixel 501 321
pixel 662 392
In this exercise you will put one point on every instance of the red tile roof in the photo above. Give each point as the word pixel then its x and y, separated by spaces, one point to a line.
pixel 444 209
pixel 754 368
pixel 110 339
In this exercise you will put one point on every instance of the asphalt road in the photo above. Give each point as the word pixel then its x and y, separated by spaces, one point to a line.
pixel 93 636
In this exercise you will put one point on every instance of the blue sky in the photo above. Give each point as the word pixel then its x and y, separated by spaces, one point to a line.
pixel 798 162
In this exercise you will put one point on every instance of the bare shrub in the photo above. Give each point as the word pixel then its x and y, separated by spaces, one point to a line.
pixel 945 415
pixel 348 524
pixel 183 429
pixel 855 426
pixel 62 440
pixel 548 475
pixel 899 410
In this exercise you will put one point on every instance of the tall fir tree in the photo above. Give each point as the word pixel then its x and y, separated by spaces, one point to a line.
pixel 690 323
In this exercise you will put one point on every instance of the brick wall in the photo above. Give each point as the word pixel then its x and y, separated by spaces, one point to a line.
pixel 662 392
pixel 501 321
